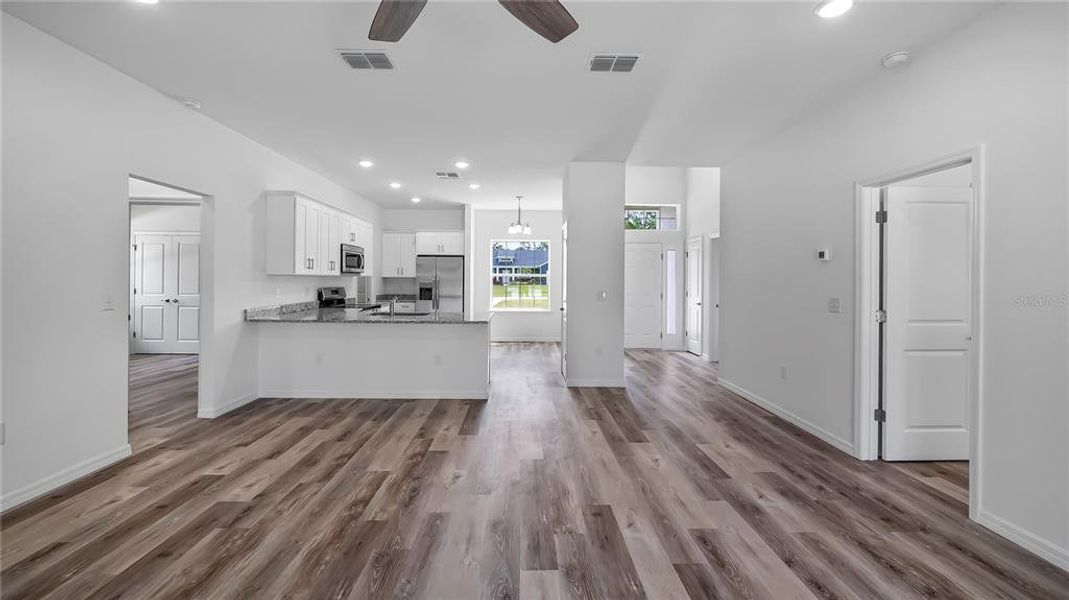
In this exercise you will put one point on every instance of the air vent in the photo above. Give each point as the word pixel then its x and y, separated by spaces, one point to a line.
pixel 447 175
pixel 361 59
pixel 623 63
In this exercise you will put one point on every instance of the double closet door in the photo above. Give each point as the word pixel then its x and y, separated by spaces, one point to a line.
pixel 166 298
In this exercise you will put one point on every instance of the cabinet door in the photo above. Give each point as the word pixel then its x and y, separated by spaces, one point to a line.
pixel 307 236
pixel 330 242
pixel 452 243
pixel 407 254
pixel 428 242
pixel 391 258
pixel 349 230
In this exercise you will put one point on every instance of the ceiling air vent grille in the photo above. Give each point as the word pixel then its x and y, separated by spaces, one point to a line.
pixel 622 63
pixel 361 59
pixel 447 175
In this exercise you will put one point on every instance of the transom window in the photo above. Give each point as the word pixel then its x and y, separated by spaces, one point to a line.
pixel 520 275
pixel 651 217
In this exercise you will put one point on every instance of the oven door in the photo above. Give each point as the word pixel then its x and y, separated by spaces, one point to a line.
pixel 352 261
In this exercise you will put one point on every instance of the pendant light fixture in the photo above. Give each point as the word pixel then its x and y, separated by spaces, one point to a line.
pixel 519 226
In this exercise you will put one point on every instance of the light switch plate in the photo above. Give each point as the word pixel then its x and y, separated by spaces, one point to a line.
pixel 835 305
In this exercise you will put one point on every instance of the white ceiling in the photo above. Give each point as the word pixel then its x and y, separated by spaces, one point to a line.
pixel 474 83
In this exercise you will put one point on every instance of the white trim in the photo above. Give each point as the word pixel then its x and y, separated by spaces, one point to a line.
pixel 865 361
pixel 610 383
pixel 211 412
pixel 538 339
pixel 328 394
pixel 1045 549
pixel 788 416
pixel 63 477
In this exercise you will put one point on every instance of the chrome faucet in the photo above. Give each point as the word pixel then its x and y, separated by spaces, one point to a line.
pixel 393 305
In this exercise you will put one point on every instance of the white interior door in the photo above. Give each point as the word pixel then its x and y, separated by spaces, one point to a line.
pixel 693 296
pixel 643 291
pixel 166 311
pixel 928 294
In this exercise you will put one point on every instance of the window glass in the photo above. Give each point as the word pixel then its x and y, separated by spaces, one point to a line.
pixel 519 275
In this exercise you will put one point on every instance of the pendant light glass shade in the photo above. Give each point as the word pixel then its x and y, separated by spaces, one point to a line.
pixel 519 226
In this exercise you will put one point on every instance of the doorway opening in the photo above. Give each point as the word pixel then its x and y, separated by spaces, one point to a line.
pixel 918 322
pixel 164 312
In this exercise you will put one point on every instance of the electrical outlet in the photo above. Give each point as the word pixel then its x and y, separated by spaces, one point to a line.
pixel 108 304
pixel 783 372
pixel 835 305
pixel 3 433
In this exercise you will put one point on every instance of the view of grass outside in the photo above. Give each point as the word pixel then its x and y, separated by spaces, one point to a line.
pixel 520 296
pixel 520 277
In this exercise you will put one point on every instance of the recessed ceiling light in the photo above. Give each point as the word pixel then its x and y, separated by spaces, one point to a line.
pixel 395 185
pixel 474 186
pixel 147 1
pixel 415 199
pixel 895 59
pixel 367 164
pixel 191 103
pixel 829 9
pixel 462 164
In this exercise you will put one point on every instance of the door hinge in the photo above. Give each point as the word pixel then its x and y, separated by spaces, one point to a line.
pixel 881 316
pixel 881 216
pixel 880 415
pixel 135 334
pixel 135 247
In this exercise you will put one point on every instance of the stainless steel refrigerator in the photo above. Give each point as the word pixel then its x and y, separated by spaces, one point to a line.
pixel 441 283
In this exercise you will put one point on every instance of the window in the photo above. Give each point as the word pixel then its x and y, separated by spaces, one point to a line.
pixel 651 217
pixel 520 275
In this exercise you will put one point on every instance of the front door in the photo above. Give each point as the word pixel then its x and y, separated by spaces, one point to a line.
pixel 166 310
pixel 643 289
pixel 928 296
pixel 694 296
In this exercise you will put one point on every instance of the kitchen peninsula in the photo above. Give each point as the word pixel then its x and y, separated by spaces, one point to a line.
pixel 308 351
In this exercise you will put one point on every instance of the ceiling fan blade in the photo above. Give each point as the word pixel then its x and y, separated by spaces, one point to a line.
pixel 393 18
pixel 547 18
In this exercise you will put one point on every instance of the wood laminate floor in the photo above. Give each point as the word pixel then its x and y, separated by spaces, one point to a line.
pixel 672 488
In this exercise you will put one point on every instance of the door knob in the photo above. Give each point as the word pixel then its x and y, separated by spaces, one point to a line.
pixel 168 300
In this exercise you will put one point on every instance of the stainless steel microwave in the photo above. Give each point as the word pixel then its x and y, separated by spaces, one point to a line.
pixel 352 259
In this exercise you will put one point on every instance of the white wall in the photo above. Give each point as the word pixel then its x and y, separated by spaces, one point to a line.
pixel 702 218
pixel 164 217
pixel 1000 82
pixel 74 130
pixel 655 185
pixel 431 219
pixel 593 207
pixel 509 326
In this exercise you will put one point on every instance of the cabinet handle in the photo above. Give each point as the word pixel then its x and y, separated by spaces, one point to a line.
pixel 313 261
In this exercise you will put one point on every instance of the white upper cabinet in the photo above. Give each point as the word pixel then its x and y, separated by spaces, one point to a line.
pixel 304 237
pixel 398 254
pixel 440 243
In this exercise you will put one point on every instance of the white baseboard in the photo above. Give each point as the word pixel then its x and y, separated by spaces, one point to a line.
pixel 611 383
pixel 218 411
pixel 526 338
pixel 1042 548
pixel 478 394
pixel 56 480
pixel 790 417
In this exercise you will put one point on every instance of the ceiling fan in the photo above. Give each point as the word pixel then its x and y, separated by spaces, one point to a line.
pixel 547 18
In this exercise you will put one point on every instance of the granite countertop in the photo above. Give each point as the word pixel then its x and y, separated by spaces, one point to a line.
pixel 309 312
